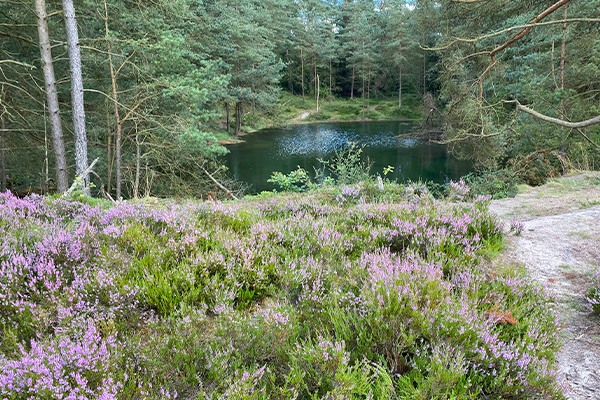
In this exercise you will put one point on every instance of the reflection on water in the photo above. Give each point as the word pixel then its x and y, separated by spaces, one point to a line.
pixel 284 150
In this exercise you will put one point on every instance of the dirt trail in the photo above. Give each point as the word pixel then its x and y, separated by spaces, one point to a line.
pixel 302 116
pixel 560 247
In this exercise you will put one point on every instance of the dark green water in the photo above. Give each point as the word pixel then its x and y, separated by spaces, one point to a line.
pixel 284 150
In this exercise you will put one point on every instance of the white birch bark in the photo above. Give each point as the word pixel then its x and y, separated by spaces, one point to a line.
pixel 58 144
pixel 81 156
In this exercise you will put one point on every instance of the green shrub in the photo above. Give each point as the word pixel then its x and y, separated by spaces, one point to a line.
pixel 347 166
pixel 295 181
pixel 499 184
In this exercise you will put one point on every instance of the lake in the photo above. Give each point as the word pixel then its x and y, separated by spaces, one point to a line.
pixel 283 150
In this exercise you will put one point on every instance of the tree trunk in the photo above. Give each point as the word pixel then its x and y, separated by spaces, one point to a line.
pixel 330 83
pixel 312 73
pixel 138 156
pixel 290 83
pixel 363 83
pixel 318 87
pixel 424 70
pixel 352 85
pixel 227 114
pixel 58 143
pixel 109 161
pixel 81 156
pixel 399 87
pixel 239 112
pixel 561 106
pixel 113 79
pixel 369 91
pixel 2 152
pixel 400 70
pixel 302 60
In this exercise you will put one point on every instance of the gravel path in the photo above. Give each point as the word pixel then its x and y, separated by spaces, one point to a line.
pixel 560 247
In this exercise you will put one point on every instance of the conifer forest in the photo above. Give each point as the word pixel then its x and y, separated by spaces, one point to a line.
pixel 144 85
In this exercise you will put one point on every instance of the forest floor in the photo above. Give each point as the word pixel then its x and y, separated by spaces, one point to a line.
pixel 560 248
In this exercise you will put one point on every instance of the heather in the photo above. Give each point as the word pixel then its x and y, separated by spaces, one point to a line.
pixel 593 297
pixel 339 293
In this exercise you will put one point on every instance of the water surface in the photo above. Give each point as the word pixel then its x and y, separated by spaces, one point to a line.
pixel 283 150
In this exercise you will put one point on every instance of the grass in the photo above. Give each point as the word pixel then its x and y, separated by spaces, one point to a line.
pixel 290 107
pixel 341 292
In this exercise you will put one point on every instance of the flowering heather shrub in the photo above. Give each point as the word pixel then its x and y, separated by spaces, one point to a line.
pixel 459 190
pixel 62 367
pixel 516 226
pixel 593 297
pixel 285 297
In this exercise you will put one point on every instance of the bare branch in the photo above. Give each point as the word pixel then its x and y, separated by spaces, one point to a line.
pixel 81 176
pixel 227 191
pixel 18 63
pixel 556 121
pixel 512 28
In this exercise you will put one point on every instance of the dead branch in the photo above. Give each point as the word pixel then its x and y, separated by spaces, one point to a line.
pixel 500 32
pixel 223 188
pixel 518 36
pixel 76 183
pixel 556 121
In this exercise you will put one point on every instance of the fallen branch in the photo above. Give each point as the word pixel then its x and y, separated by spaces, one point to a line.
pixel 81 177
pixel 104 194
pixel 227 191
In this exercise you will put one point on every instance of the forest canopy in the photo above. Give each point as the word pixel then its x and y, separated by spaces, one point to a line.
pixel 160 78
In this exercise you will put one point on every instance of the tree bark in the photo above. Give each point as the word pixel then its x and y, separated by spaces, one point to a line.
pixel 330 83
pixel 138 157
pixel 317 89
pixel 302 61
pixel 369 90
pixel 400 70
pixel 227 116
pixel 352 85
pixel 239 112
pixel 363 82
pixel 58 144
pixel 289 67
pixel 561 106
pixel 113 79
pixel 559 122
pixel 2 152
pixel 81 156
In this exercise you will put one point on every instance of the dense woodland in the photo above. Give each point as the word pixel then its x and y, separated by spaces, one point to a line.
pixel 159 77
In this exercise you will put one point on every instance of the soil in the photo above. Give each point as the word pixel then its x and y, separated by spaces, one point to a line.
pixel 560 248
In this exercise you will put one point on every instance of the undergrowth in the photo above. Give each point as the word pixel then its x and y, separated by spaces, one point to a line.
pixel 340 293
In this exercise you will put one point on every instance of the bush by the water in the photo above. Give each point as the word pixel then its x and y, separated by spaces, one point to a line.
pixel 283 297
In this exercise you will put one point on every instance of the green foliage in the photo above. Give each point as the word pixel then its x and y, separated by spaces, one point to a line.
pixel 347 166
pixel 593 296
pixel 499 184
pixel 295 181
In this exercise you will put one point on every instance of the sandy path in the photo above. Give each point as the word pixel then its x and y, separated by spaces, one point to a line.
pixel 560 247
pixel 302 116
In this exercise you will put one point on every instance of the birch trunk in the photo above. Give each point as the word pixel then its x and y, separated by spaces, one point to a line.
pixel 58 144
pixel 81 156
